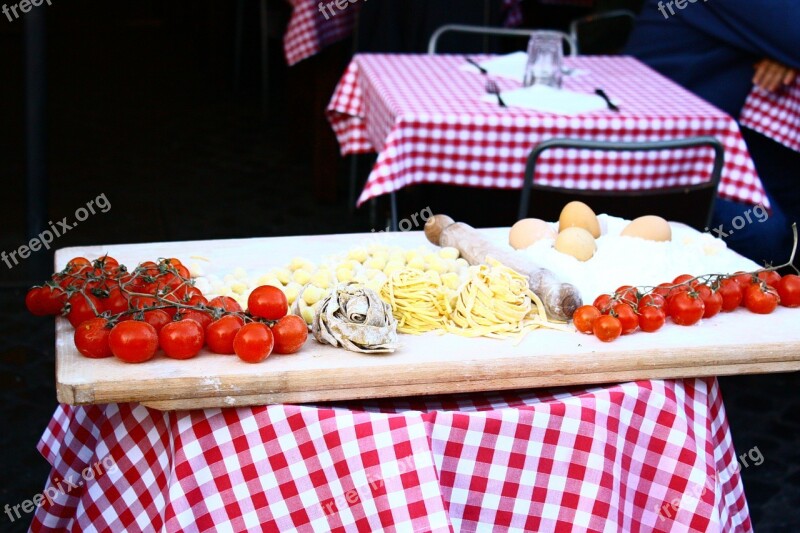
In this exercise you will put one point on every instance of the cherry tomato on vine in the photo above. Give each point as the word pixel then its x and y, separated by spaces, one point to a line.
pixel 253 342
pixel 34 301
pixel 182 339
pixel 116 302
pixel 607 328
pixel 201 317
pixel 712 300
pixel 91 338
pixel 267 302
pixel 652 300
pixel 220 334
pixel 651 318
pixel 133 341
pixel 761 300
pixel 627 294
pixel 789 290
pixel 82 307
pixel 158 318
pixel 743 279
pixel 731 293
pixel 583 318
pixel 227 303
pixel 683 278
pixel 770 277
pixel 627 317
pixel 686 308
pixel 663 290
pixel 603 303
pixel 290 333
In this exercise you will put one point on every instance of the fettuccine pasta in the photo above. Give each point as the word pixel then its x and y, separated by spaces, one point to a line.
pixel 419 300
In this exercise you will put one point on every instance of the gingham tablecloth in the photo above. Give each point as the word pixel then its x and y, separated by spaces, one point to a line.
pixel 608 458
pixel 775 114
pixel 309 30
pixel 426 119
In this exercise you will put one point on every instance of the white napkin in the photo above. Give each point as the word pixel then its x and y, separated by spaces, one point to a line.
pixel 511 66
pixel 550 100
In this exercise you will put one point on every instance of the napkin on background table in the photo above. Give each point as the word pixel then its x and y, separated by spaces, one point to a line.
pixel 511 66
pixel 550 100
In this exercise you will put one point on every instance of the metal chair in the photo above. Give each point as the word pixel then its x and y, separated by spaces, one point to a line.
pixel 703 193
pixel 602 33
pixel 492 31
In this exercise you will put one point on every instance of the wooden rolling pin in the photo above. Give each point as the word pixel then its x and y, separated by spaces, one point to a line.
pixel 560 299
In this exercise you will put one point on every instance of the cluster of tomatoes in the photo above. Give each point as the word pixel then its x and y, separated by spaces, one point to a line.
pixel 685 301
pixel 131 315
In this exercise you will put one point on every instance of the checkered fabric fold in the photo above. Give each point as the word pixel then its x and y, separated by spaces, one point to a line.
pixel 650 455
pixel 426 118
pixel 775 114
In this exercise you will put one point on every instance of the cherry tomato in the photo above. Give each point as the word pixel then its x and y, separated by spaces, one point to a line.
pixel 789 290
pixel 220 334
pixel 744 280
pixel 34 301
pixel 627 317
pixel 116 302
pixel 731 293
pixel 80 308
pixel 607 328
pixel 158 318
pixel 227 303
pixel 683 278
pixel 140 302
pixel 651 318
pixel 182 339
pixel 712 300
pixel 133 341
pixel 603 303
pixel 201 317
pixel 91 338
pixel 663 290
pixel 267 302
pixel 770 277
pixel 78 264
pixel 584 317
pixel 627 294
pixel 686 308
pixel 761 300
pixel 290 334
pixel 253 342
pixel 652 300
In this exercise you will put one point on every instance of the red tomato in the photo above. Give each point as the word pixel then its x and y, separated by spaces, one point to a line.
pixel 584 317
pixel 761 300
pixel 770 277
pixel 603 303
pixel 712 300
pixel 201 317
pixel 91 338
pixel 220 334
pixel 140 302
pixel 34 301
pixel 744 280
pixel 290 334
pixel 731 293
pixel 652 300
pixel 253 342
pixel 607 328
pixel 116 302
pixel 133 341
pixel 627 294
pixel 683 278
pixel 789 290
pixel 686 308
pixel 664 290
pixel 182 339
pixel 78 264
pixel 651 318
pixel 82 307
pixel 267 302
pixel 627 317
pixel 158 318
pixel 227 303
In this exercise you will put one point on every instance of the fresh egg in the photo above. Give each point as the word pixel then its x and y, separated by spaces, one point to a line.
pixel 528 231
pixel 579 215
pixel 576 242
pixel 650 227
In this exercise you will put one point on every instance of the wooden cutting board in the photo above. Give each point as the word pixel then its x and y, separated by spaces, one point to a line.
pixel 731 343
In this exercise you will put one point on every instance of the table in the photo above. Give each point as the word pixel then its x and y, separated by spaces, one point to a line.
pixel 775 114
pixel 425 117
pixel 610 458
pixel 310 30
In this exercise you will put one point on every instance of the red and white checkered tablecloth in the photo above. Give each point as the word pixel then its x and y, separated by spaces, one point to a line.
pixel 612 458
pixel 426 119
pixel 311 29
pixel 775 114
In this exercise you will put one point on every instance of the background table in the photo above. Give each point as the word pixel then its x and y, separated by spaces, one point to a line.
pixel 599 459
pixel 425 117
pixel 775 114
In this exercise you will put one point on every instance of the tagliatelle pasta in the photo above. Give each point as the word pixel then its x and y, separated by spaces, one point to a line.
pixel 419 300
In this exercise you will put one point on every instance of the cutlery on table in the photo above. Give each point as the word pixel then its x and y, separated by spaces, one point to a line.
pixel 602 94
pixel 476 65
pixel 492 88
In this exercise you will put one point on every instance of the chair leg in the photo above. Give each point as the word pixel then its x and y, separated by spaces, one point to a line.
pixel 351 186
pixel 264 58
pixel 238 46
pixel 393 204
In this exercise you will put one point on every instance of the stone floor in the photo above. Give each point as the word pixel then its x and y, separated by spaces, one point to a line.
pixel 144 121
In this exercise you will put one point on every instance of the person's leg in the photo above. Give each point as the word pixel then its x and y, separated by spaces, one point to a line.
pixel 779 169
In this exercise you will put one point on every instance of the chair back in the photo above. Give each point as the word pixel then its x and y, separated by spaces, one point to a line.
pixel 489 31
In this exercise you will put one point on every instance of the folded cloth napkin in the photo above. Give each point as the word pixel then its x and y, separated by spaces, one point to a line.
pixel 550 100
pixel 511 66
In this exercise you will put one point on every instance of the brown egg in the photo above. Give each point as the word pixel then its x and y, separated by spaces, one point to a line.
pixel 576 242
pixel 649 227
pixel 579 215
pixel 528 231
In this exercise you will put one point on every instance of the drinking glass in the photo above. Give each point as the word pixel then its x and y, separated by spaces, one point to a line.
pixel 545 57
